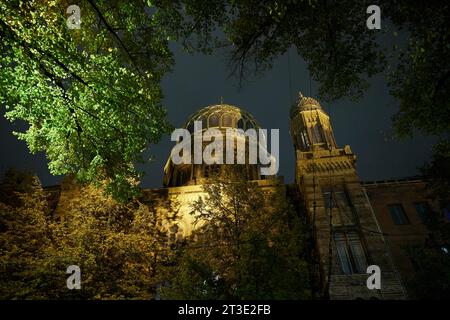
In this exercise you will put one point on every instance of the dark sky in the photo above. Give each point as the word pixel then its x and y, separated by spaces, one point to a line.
pixel 198 81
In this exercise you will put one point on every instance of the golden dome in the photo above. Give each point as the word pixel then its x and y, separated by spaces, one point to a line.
pixel 222 116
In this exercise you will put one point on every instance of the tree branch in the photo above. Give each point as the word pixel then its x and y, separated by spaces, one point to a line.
pixel 111 30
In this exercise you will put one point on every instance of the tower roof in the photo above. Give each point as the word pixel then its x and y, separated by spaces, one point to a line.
pixel 304 104
pixel 222 116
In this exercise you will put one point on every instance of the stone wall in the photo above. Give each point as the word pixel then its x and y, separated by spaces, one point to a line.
pixel 334 171
pixel 405 192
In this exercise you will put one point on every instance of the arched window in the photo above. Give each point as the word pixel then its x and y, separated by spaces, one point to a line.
pixel 240 124
pixel 350 252
pixel 190 127
pixel 316 133
pixel 227 120
pixel 183 177
pixel 214 121
pixel 304 139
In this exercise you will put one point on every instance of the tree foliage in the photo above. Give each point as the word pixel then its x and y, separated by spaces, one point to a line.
pixel 118 247
pixel 249 244
pixel 421 80
pixel 438 171
pixel 340 51
pixel 331 36
pixel 432 275
pixel 24 236
pixel 91 96
pixel 432 262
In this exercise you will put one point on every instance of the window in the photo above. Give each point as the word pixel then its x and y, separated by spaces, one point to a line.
pixel 183 177
pixel 329 201
pixel 398 214
pixel 338 201
pixel 214 121
pixel 240 124
pixel 212 170
pixel 341 199
pixel 357 251
pixel 304 137
pixel 326 136
pixel 206 171
pixel 350 252
pixel 330 205
pixel 316 134
pixel 180 178
pixel 227 120
pixel 423 210
pixel 343 254
pixel 446 213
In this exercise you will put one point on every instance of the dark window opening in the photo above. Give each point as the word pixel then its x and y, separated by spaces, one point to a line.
pixel 213 121
pixel 250 125
pixel 338 205
pixel 329 201
pixel 211 170
pixel 183 177
pixel 316 134
pixel 304 138
pixel 398 214
pixel 350 253
pixel 423 211
pixel 240 124
pixel 191 127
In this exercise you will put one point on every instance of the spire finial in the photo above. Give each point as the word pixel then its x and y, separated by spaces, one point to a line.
pixel 221 100
pixel 300 97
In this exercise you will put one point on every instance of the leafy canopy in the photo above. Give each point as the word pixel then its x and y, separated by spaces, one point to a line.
pixel 120 248
pixel 91 96
pixel 92 99
pixel 249 244
pixel 340 51
pixel 411 49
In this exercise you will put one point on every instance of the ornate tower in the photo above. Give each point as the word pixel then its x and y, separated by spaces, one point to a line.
pixel 348 238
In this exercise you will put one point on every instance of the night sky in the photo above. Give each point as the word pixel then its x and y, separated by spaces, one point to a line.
pixel 198 81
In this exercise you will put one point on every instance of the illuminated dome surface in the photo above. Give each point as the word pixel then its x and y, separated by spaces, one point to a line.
pixel 221 116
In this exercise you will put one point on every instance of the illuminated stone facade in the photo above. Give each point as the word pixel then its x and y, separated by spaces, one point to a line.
pixel 348 236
